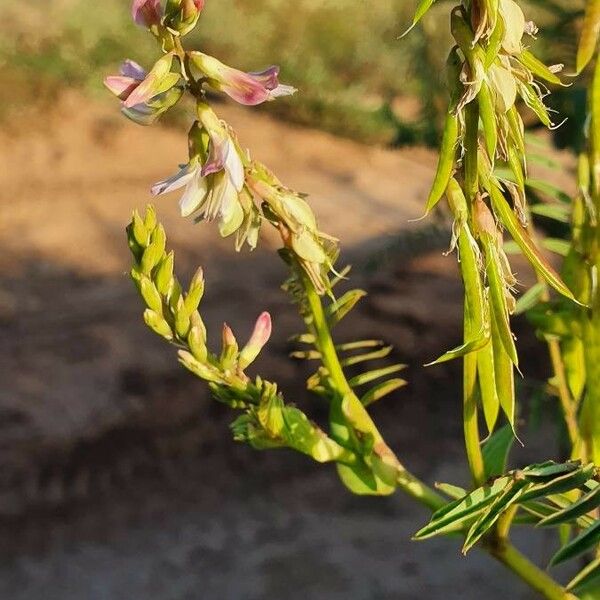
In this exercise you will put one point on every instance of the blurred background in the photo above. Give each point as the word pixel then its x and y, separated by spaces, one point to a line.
pixel 118 475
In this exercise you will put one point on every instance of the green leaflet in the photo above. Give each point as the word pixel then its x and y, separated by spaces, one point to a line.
pixel 452 491
pixel 548 189
pixel 353 360
pixel 375 374
pixel 508 497
pixel 558 485
pixel 470 346
pixel 589 35
pixel 422 8
pixel 584 505
pixel 381 390
pixel 523 239
pixel 302 435
pixel 496 450
pixel 586 540
pixel 454 515
pixel 549 470
pixel 586 576
pixel 361 480
pixel 558 246
pixel 530 298
pixel 337 310
pixel 558 212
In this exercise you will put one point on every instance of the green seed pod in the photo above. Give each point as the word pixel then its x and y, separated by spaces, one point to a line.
pixel 445 162
pixel 487 114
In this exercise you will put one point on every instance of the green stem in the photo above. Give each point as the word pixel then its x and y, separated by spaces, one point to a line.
pixel 410 484
pixel 537 579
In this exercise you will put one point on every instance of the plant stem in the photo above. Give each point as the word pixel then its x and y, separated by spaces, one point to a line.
pixel 567 403
pixel 410 484
pixel 537 579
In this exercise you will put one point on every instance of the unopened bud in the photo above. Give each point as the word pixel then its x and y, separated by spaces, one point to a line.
pixel 146 13
pixel 260 336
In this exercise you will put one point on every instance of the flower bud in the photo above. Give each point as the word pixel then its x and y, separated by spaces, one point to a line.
pixel 146 13
pixel 182 15
pixel 260 336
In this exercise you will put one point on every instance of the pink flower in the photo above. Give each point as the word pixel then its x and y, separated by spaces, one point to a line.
pixel 214 186
pixel 131 75
pixel 146 13
pixel 145 96
pixel 260 336
pixel 246 88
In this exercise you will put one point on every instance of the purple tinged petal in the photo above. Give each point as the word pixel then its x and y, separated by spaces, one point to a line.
pixel 120 86
pixel 146 13
pixel 130 68
pixel 174 182
pixel 217 155
pixel 243 88
pixel 269 78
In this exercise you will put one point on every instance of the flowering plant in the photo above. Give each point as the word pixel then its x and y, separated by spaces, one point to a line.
pixel 482 172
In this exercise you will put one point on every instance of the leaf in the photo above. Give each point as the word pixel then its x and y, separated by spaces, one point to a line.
pixel 455 514
pixel 360 480
pixel 381 390
pixel 584 505
pixel 549 470
pixel 354 360
pixel 589 35
pixel 496 450
pixel 564 483
pixel 523 239
pixel 557 212
pixel 548 190
pixel 586 576
pixel 560 247
pixel 422 8
pixel 453 491
pixel 470 346
pixel 530 298
pixel 358 345
pixel 488 519
pixel 375 374
pixel 337 310
pixel 586 540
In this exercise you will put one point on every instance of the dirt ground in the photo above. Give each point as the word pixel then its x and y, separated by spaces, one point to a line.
pixel 118 477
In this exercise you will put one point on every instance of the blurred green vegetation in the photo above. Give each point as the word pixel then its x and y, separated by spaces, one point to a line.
pixel 355 77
